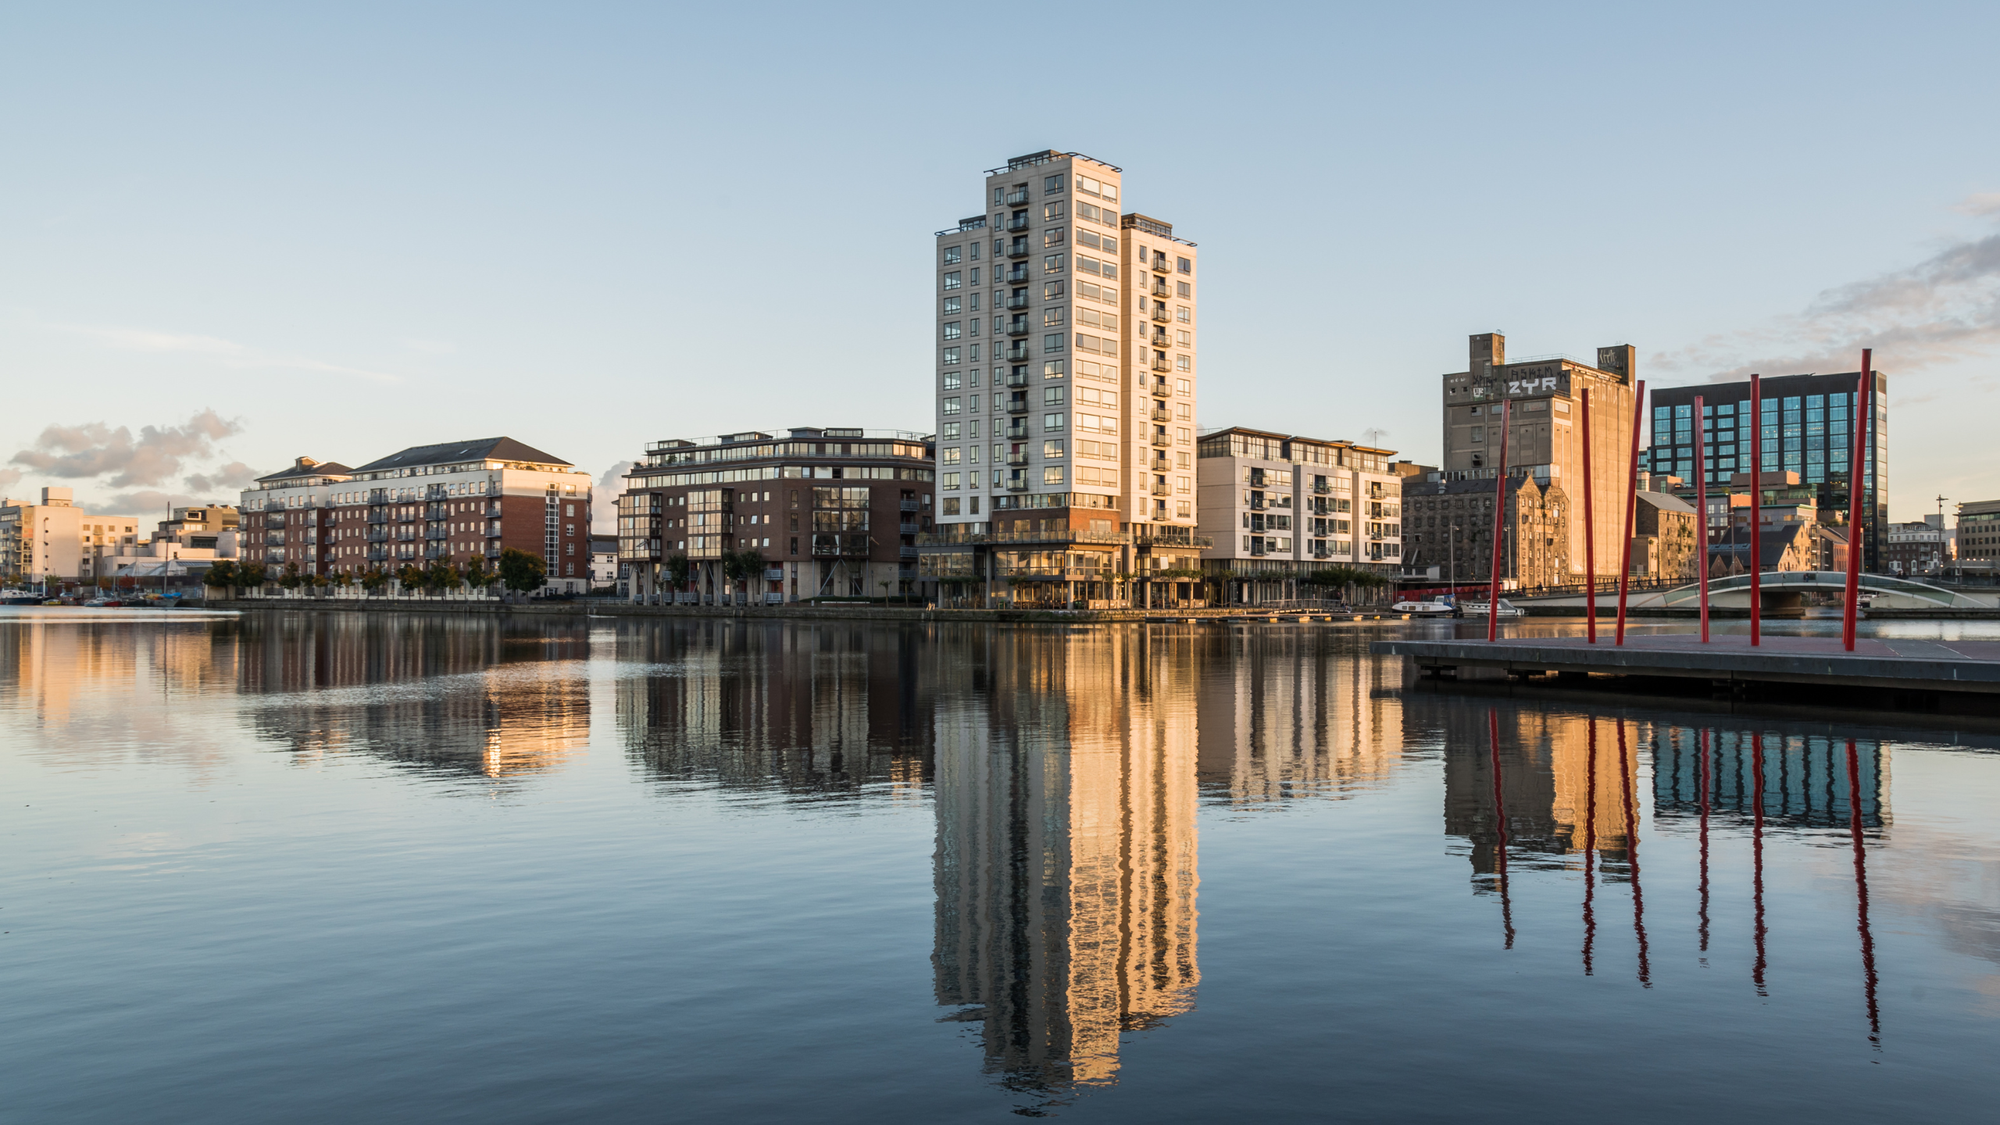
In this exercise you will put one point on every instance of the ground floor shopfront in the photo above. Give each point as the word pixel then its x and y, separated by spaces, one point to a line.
pixel 711 582
pixel 1063 568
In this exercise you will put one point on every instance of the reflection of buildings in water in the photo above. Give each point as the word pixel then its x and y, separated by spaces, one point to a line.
pixel 1282 716
pixel 1066 852
pixel 813 709
pixel 464 694
pixel 1804 780
pixel 1558 793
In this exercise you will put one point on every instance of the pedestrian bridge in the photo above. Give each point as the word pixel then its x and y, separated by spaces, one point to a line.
pixel 1781 589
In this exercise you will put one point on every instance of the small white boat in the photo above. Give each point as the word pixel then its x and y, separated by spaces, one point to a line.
pixel 1426 609
pixel 1507 609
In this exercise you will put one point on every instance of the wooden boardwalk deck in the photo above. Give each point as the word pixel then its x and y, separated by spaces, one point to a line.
pixel 1919 665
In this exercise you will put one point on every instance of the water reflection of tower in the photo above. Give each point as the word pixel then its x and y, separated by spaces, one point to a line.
pixel 1560 792
pixel 1283 716
pixel 1066 853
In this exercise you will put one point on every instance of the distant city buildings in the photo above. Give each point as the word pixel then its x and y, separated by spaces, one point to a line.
pixel 1978 536
pixel 55 539
pixel 1920 547
pixel 1666 539
pixel 457 502
pixel 1807 430
pixel 824 512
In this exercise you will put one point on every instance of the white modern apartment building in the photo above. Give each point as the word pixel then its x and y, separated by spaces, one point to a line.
pixel 57 539
pixel 1065 390
pixel 1278 506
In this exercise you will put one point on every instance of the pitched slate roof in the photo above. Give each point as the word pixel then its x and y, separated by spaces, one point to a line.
pixel 477 449
pixel 300 468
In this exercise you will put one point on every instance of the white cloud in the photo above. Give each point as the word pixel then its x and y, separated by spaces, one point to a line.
pixel 232 477
pixel 94 449
pixel 604 499
pixel 1982 203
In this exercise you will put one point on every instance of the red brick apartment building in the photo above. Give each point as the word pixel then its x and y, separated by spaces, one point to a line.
pixel 832 512
pixel 459 501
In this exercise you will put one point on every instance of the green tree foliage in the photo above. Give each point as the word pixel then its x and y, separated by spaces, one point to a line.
pixel 477 576
pixel 742 566
pixel 679 569
pixel 373 580
pixel 442 575
pixel 521 571
pixel 252 574
pixel 411 576
pixel 222 575
pixel 291 578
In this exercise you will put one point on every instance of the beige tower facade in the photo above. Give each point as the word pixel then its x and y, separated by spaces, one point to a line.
pixel 1544 432
pixel 1065 392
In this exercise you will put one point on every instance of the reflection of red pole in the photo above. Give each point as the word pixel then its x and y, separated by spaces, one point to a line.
pixel 1629 783
pixel 1757 852
pixel 1702 785
pixel 1631 508
pixel 1864 405
pixel 1701 506
pixel 1861 888
pixel 1756 505
pixel 1590 848
pixel 1500 824
pixel 1499 516
pixel 1589 531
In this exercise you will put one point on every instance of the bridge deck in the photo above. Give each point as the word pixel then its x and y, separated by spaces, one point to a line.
pixel 1954 666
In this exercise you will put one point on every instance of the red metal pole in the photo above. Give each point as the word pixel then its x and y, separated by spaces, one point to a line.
pixel 1589 531
pixel 1631 508
pixel 1756 506
pixel 1864 405
pixel 1500 821
pixel 1499 516
pixel 1861 890
pixel 1701 507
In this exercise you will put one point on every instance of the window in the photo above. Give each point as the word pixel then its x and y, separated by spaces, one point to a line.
pixel 951 405
pixel 1183 411
pixel 950 509
pixel 951 304
pixel 1182 314
pixel 1054 396
pixel 1183 484
pixel 951 255
pixel 1052 185
pixel 1181 288
pixel 972 276
pixel 951 357
pixel 1052 474
pixel 1052 317
pixel 1181 364
pixel 1053 236
pixel 1052 423
pixel 1052 290
pixel 1052 343
pixel 1052 449
pixel 1184 338
pixel 949 480
pixel 1052 369
pixel 951 280
pixel 973 305
pixel 951 330
pixel 974 247
pixel 1053 263
pixel 950 456
pixel 1181 386
pixel 1184 265
pixel 1181 435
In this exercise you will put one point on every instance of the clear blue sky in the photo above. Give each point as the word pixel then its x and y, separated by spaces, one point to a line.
pixel 348 228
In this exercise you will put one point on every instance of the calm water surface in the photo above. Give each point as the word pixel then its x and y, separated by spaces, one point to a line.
pixel 316 868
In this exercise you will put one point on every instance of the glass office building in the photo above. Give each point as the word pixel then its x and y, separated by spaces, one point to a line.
pixel 1808 425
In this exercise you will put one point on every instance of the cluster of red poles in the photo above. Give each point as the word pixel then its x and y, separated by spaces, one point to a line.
pixel 1863 409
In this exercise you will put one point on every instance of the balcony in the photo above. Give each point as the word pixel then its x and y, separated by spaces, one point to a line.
pixel 1160 464
pixel 1017 484
pixel 492 531
pixel 908 527
pixel 1017 429
pixel 1162 389
pixel 434 551
pixel 1017 198
pixel 1161 440
pixel 1162 340
pixel 1161 265
pixel 378 554
pixel 1017 225
pixel 906 552
pixel 436 533
pixel 274 519
pixel 1163 316
pixel 1161 288
pixel 1017 378
pixel 1160 363
pixel 1162 488
pixel 378 517
pixel 1017 405
pixel 1017 351
pixel 1161 413
pixel 1017 459
pixel 1016 274
pixel 379 536
pixel 1018 302
pixel 493 508
pixel 1057 535
pixel 274 539
pixel 836 546
pixel 434 511
pixel 492 551
pixel 909 505
pixel 1018 249
pixel 1017 326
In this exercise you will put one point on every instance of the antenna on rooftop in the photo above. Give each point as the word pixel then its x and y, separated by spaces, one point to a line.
pixel 1373 435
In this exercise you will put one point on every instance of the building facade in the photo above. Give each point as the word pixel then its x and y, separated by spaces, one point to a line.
pixel 453 501
pixel 1278 506
pixel 1977 535
pixel 188 542
pixel 1544 434
pixel 1808 429
pixel 1916 548
pixel 1065 393
pixel 55 539
pixel 1448 524
pixel 1666 540
pixel 831 512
